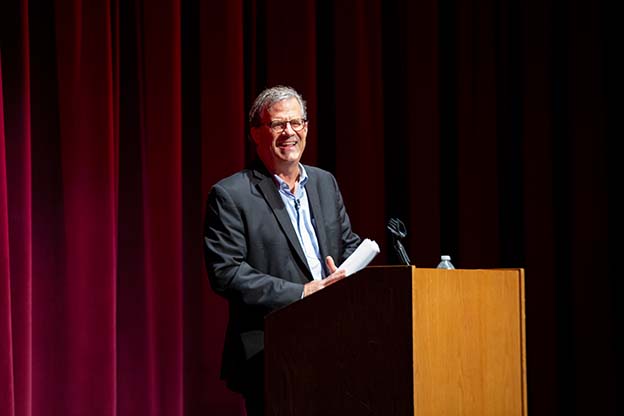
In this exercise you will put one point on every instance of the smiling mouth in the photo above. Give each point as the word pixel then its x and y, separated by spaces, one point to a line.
pixel 287 143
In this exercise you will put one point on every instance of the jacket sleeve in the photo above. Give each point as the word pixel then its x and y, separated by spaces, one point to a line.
pixel 350 240
pixel 226 249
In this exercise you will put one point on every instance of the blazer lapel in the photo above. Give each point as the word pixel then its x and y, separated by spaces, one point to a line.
pixel 271 195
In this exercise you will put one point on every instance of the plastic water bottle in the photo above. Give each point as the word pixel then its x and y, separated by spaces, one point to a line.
pixel 445 263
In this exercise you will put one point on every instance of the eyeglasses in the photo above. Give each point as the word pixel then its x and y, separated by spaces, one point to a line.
pixel 296 124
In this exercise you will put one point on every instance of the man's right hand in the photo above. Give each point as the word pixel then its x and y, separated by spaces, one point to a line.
pixel 316 285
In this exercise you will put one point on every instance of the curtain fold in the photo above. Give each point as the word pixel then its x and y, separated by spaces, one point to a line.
pixel 359 113
pixel 16 208
pixel 83 44
pixel 161 138
pixel 221 146
pixel 7 392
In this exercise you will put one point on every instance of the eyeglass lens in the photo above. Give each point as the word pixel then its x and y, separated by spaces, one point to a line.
pixel 296 125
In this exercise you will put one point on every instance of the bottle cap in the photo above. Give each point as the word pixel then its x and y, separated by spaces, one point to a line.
pixel 445 257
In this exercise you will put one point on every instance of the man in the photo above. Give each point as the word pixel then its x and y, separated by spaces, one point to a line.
pixel 273 234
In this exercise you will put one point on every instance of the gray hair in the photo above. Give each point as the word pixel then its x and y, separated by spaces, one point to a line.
pixel 270 96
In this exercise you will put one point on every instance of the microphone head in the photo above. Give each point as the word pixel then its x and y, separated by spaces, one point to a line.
pixel 397 228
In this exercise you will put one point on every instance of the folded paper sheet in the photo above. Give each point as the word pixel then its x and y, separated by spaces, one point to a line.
pixel 361 257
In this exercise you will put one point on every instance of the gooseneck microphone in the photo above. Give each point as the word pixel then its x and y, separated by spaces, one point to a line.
pixel 398 231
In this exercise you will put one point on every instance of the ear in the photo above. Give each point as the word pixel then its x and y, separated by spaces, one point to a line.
pixel 255 135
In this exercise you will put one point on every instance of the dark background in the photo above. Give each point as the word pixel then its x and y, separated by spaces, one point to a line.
pixel 488 127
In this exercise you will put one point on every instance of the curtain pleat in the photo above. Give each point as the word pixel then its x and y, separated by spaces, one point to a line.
pixel 88 150
pixel 359 123
pixel 161 138
pixel 16 207
pixel 7 391
pixel 222 148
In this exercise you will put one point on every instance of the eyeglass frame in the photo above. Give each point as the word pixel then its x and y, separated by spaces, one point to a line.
pixel 285 123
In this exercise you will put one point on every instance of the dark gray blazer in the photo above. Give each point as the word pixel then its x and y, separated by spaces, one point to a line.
pixel 254 258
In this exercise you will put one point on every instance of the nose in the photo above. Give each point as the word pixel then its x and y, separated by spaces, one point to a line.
pixel 288 129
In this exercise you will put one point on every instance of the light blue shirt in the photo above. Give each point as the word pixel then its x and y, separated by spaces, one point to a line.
pixel 299 211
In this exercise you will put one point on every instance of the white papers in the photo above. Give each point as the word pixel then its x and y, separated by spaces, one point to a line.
pixel 360 258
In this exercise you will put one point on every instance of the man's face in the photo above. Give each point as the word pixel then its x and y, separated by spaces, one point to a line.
pixel 280 149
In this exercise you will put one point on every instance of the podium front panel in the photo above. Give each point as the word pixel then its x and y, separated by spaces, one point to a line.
pixel 345 350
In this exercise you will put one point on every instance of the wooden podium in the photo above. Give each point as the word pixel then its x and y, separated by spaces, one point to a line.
pixel 399 340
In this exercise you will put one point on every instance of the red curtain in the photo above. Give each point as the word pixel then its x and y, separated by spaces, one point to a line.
pixel 487 126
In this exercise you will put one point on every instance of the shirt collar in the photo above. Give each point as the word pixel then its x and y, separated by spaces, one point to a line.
pixel 303 179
